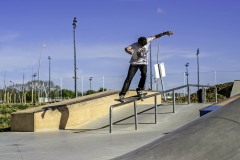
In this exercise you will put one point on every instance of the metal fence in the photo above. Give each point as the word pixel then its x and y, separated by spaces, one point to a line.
pixel 171 80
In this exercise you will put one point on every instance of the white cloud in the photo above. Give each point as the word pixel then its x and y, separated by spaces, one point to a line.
pixel 8 37
pixel 160 10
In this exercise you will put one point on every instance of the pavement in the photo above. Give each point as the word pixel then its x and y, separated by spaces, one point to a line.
pixel 93 141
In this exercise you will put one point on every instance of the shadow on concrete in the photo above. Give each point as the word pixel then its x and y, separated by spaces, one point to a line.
pixel 118 122
pixel 64 114
pixel 159 113
pixel 123 124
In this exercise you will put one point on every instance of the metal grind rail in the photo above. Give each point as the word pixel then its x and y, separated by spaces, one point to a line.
pixel 155 101
pixel 135 109
pixel 189 94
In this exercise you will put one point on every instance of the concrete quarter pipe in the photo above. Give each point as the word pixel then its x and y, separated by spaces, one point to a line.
pixel 215 136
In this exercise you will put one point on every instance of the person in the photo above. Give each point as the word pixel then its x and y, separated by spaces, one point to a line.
pixel 139 61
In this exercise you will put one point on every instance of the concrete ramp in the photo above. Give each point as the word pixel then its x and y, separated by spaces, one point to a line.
pixel 215 136
pixel 68 114
pixel 235 88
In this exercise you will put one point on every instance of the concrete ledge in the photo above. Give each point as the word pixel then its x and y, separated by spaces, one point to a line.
pixel 69 114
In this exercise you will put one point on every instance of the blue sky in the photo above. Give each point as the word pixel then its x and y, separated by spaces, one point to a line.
pixel 106 27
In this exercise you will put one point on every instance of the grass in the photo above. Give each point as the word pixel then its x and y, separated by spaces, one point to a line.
pixel 5 114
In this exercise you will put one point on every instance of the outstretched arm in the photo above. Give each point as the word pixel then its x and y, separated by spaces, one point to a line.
pixel 169 33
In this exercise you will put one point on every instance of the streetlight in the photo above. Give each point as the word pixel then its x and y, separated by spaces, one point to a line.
pixel 157 63
pixel 34 75
pixel 38 74
pixel 198 66
pixel 90 79
pixel 49 82
pixel 187 64
pixel 12 92
pixel 188 89
pixel 75 68
pixel 12 83
pixel 150 54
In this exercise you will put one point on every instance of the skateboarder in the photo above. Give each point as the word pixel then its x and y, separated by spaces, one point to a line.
pixel 139 60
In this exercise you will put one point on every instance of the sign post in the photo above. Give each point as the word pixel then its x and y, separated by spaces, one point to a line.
pixel 160 73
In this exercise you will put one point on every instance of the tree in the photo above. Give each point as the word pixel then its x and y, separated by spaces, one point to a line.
pixel 88 92
pixel 102 89
pixel 66 94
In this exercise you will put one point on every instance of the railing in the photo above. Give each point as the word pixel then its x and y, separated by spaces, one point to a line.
pixel 135 109
pixel 155 102
pixel 188 92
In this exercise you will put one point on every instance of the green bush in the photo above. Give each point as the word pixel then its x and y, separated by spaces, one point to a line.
pixel 5 114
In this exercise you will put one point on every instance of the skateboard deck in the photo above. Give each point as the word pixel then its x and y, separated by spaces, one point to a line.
pixel 132 98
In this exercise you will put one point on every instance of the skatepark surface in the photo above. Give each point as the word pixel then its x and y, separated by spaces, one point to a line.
pixel 93 141
pixel 214 136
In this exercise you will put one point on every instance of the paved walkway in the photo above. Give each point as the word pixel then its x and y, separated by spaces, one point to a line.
pixel 93 140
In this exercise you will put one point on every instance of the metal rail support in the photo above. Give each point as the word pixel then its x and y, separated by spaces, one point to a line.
pixel 189 96
pixel 216 94
pixel 173 99
pixel 110 119
pixel 135 115
pixel 135 110
pixel 155 108
pixel 203 95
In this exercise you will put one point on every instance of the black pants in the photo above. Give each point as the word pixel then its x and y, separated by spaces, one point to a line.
pixel 131 72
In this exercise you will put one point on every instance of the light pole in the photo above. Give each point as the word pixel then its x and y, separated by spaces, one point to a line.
pixel 150 54
pixel 198 66
pixel 12 83
pixel 38 74
pixel 75 68
pixel 12 93
pixel 188 88
pixel 157 63
pixel 187 64
pixel 90 79
pixel 49 82
pixel 34 87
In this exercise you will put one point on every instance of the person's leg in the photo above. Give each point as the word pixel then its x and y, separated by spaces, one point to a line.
pixel 131 72
pixel 141 84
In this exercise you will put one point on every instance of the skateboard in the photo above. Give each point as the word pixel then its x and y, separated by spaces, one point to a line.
pixel 138 97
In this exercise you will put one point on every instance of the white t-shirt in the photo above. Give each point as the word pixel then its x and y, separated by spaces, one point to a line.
pixel 140 54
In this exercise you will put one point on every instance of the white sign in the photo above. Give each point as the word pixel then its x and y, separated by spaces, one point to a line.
pixel 156 71
pixel 159 70
pixel 162 69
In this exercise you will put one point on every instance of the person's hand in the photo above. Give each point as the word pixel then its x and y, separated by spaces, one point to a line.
pixel 169 33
